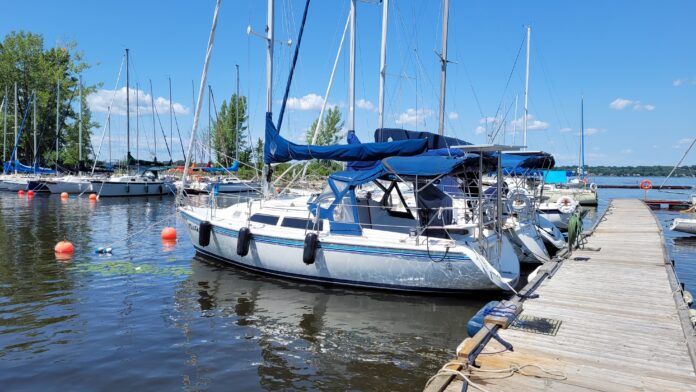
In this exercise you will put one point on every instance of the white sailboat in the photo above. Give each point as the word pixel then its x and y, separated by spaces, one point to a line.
pixel 143 183
pixel 343 237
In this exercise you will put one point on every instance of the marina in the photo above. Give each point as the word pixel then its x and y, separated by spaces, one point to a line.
pixel 323 207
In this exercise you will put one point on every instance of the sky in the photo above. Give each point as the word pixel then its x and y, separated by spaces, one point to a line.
pixel 634 62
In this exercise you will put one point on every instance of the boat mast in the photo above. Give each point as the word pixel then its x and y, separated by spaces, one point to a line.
pixel 382 63
pixel 514 123
pixel 127 113
pixel 4 129
pixel 582 137
pixel 443 67
pixel 137 126
pixel 34 127
pixel 526 86
pixel 269 86
pixel 57 120
pixel 210 149
pixel 236 120
pixel 154 127
pixel 351 78
pixel 171 114
pixel 15 124
pixel 79 137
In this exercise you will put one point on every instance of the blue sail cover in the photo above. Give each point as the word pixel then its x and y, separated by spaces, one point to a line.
pixel 514 163
pixel 19 168
pixel 277 149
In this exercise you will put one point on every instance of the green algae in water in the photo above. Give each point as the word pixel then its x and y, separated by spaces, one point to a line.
pixel 111 268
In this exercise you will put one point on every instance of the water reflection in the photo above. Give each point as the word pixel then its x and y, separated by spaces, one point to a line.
pixel 308 336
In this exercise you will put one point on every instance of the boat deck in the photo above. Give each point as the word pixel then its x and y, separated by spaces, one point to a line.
pixel 623 323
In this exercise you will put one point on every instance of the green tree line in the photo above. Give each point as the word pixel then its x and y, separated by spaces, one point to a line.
pixel 34 69
pixel 635 171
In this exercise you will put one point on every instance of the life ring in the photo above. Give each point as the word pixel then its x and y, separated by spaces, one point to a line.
pixel 593 187
pixel 566 204
pixel 646 185
pixel 518 199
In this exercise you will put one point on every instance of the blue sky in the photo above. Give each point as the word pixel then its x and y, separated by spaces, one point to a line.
pixel 634 62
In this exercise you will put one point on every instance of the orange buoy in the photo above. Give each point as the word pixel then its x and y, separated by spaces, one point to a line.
pixel 64 247
pixel 64 195
pixel 20 193
pixel 30 193
pixel 93 197
pixel 169 234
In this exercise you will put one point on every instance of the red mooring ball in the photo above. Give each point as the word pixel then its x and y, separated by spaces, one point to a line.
pixel 30 193
pixel 65 247
pixel 64 195
pixel 20 193
pixel 169 233
pixel 93 197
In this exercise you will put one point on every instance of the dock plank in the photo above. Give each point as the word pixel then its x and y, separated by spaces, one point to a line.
pixel 621 327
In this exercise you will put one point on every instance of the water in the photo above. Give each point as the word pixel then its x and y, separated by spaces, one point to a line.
pixel 152 316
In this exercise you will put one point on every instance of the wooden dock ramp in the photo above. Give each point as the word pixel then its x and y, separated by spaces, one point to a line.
pixel 623 323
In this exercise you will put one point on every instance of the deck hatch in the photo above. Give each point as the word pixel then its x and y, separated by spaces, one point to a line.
pixel 537 325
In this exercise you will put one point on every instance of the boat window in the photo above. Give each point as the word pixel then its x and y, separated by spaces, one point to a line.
pixel 265 219
pixel 301 223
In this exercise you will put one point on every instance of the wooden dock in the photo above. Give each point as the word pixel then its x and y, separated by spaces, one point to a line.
pixel 623 322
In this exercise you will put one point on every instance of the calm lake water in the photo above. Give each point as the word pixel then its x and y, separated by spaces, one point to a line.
pixel 152 316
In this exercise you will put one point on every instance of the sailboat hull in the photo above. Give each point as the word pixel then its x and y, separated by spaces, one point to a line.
pixel 127 189
pixel 353 265
pixel 71 187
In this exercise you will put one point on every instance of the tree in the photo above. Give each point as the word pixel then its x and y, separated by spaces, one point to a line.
pixel 228 130
pixel 328 130
pixel 24 60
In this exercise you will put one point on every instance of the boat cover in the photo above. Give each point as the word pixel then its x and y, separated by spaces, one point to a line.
pixel 277 149
pixel 233 168
pixel 19 168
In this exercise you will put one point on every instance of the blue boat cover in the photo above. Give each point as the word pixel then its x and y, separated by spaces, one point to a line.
pixel 233 168
pixel 19 168
pixel 555 176
pixel 277 149
pixel 514 163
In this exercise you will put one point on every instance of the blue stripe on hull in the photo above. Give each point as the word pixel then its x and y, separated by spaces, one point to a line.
pixel 334 281
pixel 339 247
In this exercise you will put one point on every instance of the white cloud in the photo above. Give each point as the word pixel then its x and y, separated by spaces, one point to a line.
pixel 365 104
pixel 648 107
pixel 592 131
pixel 620 103
pixel 413 117
pixel 310 101
pixel 453 116
pixel 623 103
pixel 684 82
pixel 100 100
pixel 479 130
pixel 533 124
pixel 564 130
pixel 683 143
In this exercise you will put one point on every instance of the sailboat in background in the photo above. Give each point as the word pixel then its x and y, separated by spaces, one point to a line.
pixel 146 182
pixel 577 188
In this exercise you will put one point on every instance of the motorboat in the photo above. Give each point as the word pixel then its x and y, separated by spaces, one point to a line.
pixel 558 212
pixel 345 237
